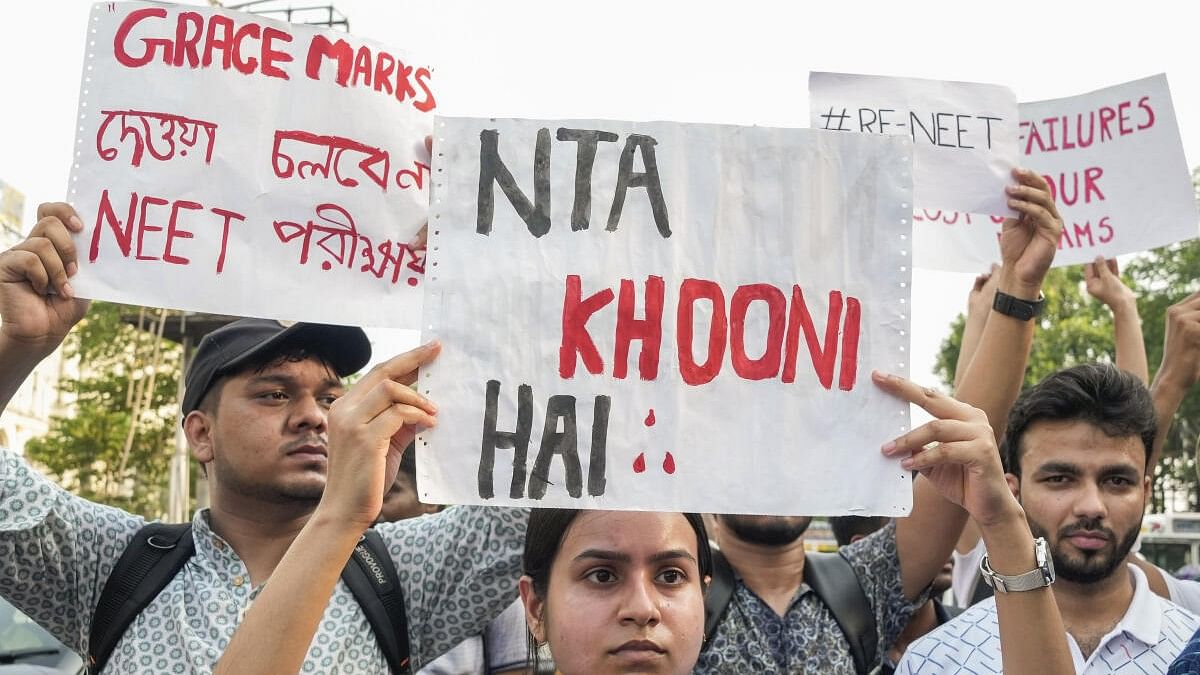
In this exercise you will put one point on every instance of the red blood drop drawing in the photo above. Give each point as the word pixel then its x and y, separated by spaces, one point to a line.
pixel 650 418
pixel 669 464
pixel 639 464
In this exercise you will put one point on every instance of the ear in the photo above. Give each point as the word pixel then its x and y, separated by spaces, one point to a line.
pixel 1014 485
pixel 198 427
pixel 1146 493
pixel 535 609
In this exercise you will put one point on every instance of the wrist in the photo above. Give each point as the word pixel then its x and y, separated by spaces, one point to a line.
pixel 1123 306
pixel 1169 384
pixel 336 520
pixel 1024 289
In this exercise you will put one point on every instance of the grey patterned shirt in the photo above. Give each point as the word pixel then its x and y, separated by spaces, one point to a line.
pixel 753 639
pixel 458 571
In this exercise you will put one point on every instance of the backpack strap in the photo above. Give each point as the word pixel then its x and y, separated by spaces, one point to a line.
pixel 155 555
pixel 833 580
pixel 718 595
pixel 371 577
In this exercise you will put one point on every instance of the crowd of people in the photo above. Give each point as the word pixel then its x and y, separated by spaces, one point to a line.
pixel 315 555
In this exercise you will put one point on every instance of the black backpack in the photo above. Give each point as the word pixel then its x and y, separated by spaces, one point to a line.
pixel 833 580
pixel 158 551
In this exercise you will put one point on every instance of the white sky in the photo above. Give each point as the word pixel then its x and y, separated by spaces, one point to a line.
pixel 742 62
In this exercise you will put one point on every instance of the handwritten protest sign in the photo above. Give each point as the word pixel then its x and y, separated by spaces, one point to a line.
pixel 666 316
pixel 229 163
pixel 964 134
pixel 1115 164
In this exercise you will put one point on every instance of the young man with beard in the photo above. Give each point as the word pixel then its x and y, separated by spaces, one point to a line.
pixel 774 622
pixel 257 417
pixel 1077 449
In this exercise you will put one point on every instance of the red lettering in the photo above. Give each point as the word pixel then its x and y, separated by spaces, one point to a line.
pixel 648 330
pixel 1144 104
pixel 186 40
pixel 1123 117
pixel 362 66
pixel 175 232
pixel 575 337
pixel 850 332
pixel 689 291
pixel 766 365
pixel 383 72
pixel 1107 235
pixel 1090 176
pixel 229 217
pixel 1107 115
pixel 143 228
pixel 271 56
pixel 223 26
pixel 823 357
pixel 123 234
pixel 244 66
pixel 427 103
pixel 134 17
pixel 404 88
pixel 322 48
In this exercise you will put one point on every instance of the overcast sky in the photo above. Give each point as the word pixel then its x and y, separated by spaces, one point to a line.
pixel 742 62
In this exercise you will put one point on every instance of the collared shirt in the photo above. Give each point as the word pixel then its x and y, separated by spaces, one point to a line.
pixel 752 638
pixel 457 569
pixel 1147 638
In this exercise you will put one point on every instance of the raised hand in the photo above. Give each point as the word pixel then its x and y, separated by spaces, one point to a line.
pixel 1028 243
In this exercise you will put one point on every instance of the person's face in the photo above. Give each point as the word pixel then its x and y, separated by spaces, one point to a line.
pixel 1085 492
pixel 401 502
pixel 764 530
pixel 266 437
pixel 624 596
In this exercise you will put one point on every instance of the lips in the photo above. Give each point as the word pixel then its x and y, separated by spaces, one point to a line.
pixel 308 450
pixel 1088 540
pixel 639 648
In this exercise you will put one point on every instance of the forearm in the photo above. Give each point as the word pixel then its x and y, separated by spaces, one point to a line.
pixel 1033 638
pixel 1167 395
pixel 1127 334
pixel 994 376
pixel 17 361
pixel 926 538
pixel 279 627
pixel 972 330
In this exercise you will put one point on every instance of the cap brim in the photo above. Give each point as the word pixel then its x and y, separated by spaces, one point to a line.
pixel 346 348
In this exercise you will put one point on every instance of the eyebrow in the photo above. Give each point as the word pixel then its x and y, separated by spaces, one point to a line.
pixel 1073 470
pixel 1059 467
pixel 288 380
pixel 615 556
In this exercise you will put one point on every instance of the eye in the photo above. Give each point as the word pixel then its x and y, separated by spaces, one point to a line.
pixel 601 575
pixel 672 576
pixel 1120 481
pixel 274 395
pixel 328 399
pixel 1058 479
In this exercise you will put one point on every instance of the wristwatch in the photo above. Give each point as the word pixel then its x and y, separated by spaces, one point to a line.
pixel 1022 310
pixel 1039 577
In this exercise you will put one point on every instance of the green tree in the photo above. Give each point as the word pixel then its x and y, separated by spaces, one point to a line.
pixel 1078 329
pixel 125 374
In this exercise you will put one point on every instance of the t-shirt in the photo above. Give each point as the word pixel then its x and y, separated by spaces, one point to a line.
pixel 506 648
pixel 458 571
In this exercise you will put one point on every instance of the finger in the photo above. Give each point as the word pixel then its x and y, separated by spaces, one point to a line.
pixel 963 452
pixel 63 211
pixel 1089 272
pixel 934 402
pixel 421 237
pixel 1038 213
pixel 388 393
pixel 1033 188
pixel 1111 264
pixel 934 431
pixel 52 275
pixel 401 368
pixel 429 145
pixel 27 267
pixel 389 422
pixel 53 229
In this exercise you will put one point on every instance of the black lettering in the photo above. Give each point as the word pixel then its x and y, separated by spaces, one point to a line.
pixel 626 179
pixel 585 158
pixel 554 442
pixel 493 171
pixel 509 440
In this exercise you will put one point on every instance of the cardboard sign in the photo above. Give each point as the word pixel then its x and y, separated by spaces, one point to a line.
pixel 666 317
pixel 964 134
pixel 230 163
pixel 1115 164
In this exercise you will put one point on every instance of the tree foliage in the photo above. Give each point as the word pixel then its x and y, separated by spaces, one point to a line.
pixel 122 370
pixel 1076 328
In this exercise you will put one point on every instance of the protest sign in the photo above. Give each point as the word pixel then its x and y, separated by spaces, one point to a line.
pixel 230 163
pixel 964 134
pixel 666 316
pixel 1115 164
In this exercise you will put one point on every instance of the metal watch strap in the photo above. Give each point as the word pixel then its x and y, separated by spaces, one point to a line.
pixel 1039 577
pixel 1022 310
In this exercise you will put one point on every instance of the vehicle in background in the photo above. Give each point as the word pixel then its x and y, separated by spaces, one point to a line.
pixel 27 649
pixel 1171 540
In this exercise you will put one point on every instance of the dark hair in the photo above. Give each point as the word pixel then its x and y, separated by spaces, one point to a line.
pixel 845 527
pixel 287 354
pixel 544 536
pixel 1111 399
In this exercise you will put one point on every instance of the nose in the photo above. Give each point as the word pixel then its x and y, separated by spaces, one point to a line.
pixel 1089 502
pixel 640 604
pixel 308 414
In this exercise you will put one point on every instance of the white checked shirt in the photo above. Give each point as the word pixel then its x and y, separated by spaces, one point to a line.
pixel 1150 635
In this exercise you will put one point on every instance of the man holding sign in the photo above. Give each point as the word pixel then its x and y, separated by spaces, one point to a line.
pixel 257 417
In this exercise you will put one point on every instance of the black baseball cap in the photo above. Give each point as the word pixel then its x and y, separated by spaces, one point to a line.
pixel 229 347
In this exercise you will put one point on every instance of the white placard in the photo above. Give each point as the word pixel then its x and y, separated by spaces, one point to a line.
pixel 230 163
pixel 964 134
pixel 695 309
pixel 1116 167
